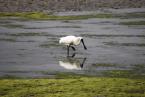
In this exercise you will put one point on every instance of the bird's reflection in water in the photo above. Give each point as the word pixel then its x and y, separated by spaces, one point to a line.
pixel 72 63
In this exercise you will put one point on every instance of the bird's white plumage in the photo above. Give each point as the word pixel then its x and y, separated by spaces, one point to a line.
pixel 70 40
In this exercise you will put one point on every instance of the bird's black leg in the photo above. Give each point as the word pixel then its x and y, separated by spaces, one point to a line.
pixel 73 48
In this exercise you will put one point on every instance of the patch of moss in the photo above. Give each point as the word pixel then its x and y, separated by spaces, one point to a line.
pixel 73 87
pixel 133 23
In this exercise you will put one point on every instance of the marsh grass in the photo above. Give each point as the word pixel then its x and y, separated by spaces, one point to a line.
pixel 28 15
pixel 73 86
pixel 43 16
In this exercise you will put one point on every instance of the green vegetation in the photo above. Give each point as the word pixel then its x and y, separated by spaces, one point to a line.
pixel 50 16
pixel 77 86
pixel 43 16
pixel 25 15
pixel 133 23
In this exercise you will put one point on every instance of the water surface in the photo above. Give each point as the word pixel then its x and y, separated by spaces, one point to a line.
pixel 31 49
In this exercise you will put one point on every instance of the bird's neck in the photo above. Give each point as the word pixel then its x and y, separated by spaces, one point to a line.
pixel 77 42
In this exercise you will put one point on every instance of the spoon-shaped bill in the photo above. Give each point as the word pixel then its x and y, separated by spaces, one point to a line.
pixel 83 44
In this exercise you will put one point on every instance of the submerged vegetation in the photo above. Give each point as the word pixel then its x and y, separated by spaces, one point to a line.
pixel 135 15
pixel 133 23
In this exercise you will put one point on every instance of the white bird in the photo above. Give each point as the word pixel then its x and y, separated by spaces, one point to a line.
pixel 71 41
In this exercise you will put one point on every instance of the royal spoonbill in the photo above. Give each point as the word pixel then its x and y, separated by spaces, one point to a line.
pixel 71 41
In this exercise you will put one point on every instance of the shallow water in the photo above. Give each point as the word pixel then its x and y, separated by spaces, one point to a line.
pixel 31 49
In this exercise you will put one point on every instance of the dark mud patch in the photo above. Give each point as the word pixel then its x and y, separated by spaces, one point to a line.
pixel 103 65
pixel 23 34
pixel 109 35
pixel 26 34
pixel 12 25
pixel 49 44
pixel 124 44
pixel 8 39
pixel 52 27
pixel 5 22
